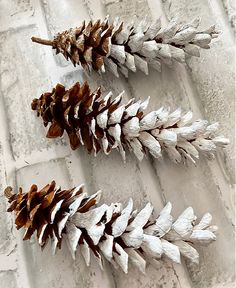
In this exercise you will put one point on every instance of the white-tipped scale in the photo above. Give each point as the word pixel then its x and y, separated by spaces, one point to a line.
pixel 72 235
pixel 187 251
pixel 150 143
pixel 131 127
pixel 184 224
pixel 120 224
pixel 121 257
pixel 136 259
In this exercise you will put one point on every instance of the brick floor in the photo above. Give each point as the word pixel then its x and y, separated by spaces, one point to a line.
pixel 204 85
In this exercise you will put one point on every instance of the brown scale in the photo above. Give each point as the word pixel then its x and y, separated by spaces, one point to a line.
pixel 92 47
pixel 68 110
pixel 34 208
pixel 85 45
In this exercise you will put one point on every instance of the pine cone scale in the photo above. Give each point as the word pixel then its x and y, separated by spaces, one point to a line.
pixel 21 218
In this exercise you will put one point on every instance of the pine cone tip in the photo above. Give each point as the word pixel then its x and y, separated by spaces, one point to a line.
pixel 8 192
pixel 42 41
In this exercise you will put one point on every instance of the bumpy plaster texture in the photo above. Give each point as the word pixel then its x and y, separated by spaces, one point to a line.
pixel 205 86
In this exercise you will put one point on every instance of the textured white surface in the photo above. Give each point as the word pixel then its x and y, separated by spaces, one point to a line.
pixel 205 85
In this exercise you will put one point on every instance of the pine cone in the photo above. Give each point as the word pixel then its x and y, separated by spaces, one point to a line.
pixel 124 47
pixel 116 233
pixel 102 123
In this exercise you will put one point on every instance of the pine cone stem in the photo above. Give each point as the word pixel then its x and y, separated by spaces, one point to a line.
pixel 42 41
pixel 101 123
pixel 121 47
pixel 112 232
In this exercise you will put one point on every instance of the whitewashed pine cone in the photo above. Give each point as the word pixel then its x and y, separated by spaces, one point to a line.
pixel 121 47
pixel 110 231
pixel 101 123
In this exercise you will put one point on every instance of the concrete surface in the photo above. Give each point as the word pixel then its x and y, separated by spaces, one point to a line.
pixel 205 85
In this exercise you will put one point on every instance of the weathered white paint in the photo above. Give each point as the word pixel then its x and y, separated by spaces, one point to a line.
pixel 205 85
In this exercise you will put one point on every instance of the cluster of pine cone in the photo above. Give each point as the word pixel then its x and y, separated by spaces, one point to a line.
pixel 100 123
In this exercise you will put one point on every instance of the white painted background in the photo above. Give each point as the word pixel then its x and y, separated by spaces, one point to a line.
pixel 205 85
